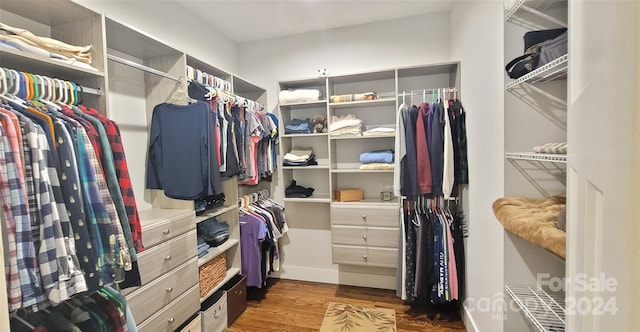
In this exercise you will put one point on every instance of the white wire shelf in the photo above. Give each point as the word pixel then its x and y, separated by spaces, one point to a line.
pixel 554 158
pixel 535 7
pixel 556 69
pixel 544 311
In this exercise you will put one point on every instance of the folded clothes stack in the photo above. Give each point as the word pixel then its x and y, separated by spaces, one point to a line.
pixel 380 131
pixel 213 232
pixel 354 97
pixel 299 157
pixel 298 126
pixel 345 125
pixel 378 159
pixel 551 148
pixel 203 247
pixel 298 96
pixel 296 191
pixel 27 42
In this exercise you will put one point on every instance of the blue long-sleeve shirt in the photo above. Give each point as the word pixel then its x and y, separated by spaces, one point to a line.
pixel 179 158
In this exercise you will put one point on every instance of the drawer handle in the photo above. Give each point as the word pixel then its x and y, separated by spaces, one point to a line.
pixel 166 232
pixel 167 258
pixel 364 257
pixel 171 320
pixel 364 236
pixel 170 289
pixel 364 217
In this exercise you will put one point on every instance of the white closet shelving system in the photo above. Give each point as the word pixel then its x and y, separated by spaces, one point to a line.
pixel 364 234
pixel 535 114
pixel 132 63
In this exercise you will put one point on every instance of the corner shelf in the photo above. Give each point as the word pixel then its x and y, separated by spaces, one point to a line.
pixel 215 251
pixel 230 274
pixel 556 69
pixel 554 158
pixel 542 310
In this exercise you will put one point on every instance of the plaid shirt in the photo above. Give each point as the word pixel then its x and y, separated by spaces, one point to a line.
pixel 113 186
pixel 70 186
pixel 122 172
pixel 72 281
pixel 14 187
pixel 14 294
pixel 109 251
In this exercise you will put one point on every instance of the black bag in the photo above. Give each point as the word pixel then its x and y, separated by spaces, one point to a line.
pixel 540 48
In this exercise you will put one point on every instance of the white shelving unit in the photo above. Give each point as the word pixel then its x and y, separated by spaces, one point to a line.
pixel 360 264
pixel 544 310
pixel 535 114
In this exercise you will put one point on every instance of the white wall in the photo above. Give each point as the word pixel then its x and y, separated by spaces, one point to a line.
pixel 477 41
pixel 170 24
pixel 409 41
pixel 365 47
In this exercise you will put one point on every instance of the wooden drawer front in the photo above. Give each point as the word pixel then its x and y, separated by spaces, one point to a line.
pixel 165 229
pixel 369 216
pixel 150 298
pixel 380 257
pixel 175 314
pixel 365 236
pixel 194 325
pixel 166 256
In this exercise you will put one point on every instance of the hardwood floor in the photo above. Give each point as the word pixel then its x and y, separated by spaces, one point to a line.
pixel 290 305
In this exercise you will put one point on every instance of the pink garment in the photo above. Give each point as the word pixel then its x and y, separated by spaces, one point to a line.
pixel 422 151
pixel 453 272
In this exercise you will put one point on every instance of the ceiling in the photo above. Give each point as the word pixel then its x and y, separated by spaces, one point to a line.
pixel 250 20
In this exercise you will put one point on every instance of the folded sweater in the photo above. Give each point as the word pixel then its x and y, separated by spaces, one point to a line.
pixel 377 156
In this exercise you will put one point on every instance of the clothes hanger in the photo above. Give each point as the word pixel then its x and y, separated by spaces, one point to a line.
pixel 3 82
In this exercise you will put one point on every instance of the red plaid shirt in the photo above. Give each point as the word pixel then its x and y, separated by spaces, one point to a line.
pixel 122 172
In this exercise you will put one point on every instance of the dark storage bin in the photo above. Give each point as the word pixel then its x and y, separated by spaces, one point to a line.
pixel 236 289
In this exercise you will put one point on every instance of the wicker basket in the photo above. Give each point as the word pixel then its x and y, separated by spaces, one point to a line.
pixel 212 273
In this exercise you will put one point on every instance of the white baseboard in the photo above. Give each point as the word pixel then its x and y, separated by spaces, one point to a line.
pixel 469 323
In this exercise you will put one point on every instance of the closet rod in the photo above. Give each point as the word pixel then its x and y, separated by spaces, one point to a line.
pixel 419 92
pixel 142 67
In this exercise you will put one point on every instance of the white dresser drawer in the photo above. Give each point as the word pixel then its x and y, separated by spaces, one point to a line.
pixel 150 298
pixel 365 236
pixel 365 216
pixel 159 225
pixel 365 256
pixel 175 314
pixel 166 256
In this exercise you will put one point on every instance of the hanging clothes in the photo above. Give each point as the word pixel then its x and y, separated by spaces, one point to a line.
pixel 68 229
pixel 432 145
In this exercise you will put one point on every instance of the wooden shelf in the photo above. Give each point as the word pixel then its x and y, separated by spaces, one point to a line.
pixel 230 274
pixel 22 61
pixel 377 102
pixel 305 167
pixel 216 212
pixel 305 135
pixel 357 170
pixel 311 199
pixel 361 137
pixel 215 251
pixel 307 104
pixel 369 201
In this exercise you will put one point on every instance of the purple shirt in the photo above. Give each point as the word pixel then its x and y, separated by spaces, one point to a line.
pixel 252 232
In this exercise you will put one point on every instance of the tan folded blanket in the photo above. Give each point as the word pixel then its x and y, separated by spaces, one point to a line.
pixel 534 220
pixel 354 97
pixel 377 166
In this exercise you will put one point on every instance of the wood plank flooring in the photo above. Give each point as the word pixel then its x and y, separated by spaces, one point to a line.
pixel 290 305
